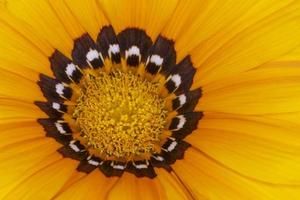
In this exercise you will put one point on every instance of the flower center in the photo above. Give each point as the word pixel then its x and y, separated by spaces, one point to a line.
pixel 120 116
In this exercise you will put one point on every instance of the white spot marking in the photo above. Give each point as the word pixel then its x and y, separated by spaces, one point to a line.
pixel 159 158
pixel 181 123
pixel 172 146
pixel 176 79
pixel 182 99
pixel 140 166
pixel 60 128
pixel 120 167
pixel 73 146
pixel 134 50
pixel 113 49
pixel 93 162
pixel 59 88
pixel 55 106
pixel 156 59
pixel 92 55
pixel 70 69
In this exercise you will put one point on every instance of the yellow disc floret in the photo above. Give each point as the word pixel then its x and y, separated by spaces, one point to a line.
pixel 120 115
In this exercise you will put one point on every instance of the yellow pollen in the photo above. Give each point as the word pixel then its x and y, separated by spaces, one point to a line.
pixel 120 115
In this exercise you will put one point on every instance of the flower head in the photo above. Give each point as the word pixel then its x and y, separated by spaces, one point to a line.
pixel 149 99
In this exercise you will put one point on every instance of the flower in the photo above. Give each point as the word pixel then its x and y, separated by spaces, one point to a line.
pixel 149 99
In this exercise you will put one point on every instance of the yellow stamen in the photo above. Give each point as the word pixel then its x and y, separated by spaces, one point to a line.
pixel 120 115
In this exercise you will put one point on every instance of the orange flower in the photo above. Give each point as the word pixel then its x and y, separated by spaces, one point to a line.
pixel 136 99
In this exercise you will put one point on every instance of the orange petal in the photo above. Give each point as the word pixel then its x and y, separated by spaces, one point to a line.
pixel 131 187
pixel 46 161
pixel 89 15
pixel 261 91
pixel 261 42
pixel 17 158
pixel 93 186
pixel 261 150
pixel 45 183
pixel 207 179
pixel 19 131
pixel 15 109
pixel 45 22
pixel 21 51
pixel 171 185
pixel 150 16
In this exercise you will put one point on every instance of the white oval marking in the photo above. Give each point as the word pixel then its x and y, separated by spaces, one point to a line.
pixel 182 99
pixel 93 162
pixel 172 146
pixel 59 88
pixel 55 106
pixel 176 79
pixel 113 49
pixel 92 55
pixel 157 60
pixel 182 121
pixel 73 146
pixel 60 128
pixel 140 166
pixel 134 50
pixel 159 158
pixel 70 69
pixel 120 167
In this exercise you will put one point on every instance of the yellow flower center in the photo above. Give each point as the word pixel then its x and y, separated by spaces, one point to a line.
pixel 120 115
